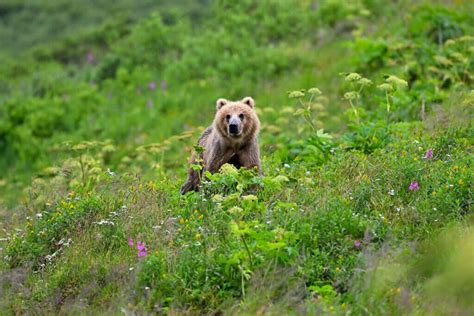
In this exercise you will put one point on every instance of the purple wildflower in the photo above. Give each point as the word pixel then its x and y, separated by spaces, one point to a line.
pixel 130 241
pixel 141 249
pixel 357 244
pixel 163 85
pixel 149 103
pixel 140 245
pixel 90 58
pixel 152 85
pixel 413 186
pixel 429 154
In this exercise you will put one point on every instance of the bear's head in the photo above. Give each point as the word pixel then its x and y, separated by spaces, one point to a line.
pixel 236 119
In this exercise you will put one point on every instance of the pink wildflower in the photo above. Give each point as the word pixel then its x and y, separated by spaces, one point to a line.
pixel 141 249
pixel 140 245
pixel 130 241
pixel 152 85
pixel 90 58
pixel 413 186
pixel 429 154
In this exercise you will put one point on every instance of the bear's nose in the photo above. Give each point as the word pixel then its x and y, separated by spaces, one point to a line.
pixel 233 128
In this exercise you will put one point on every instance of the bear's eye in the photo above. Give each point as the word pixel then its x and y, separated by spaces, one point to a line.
pixel 227 117
pixel 241 116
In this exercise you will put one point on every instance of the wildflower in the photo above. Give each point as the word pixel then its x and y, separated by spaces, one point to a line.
pixel 217 198
pixel 394 80
pixel 443 60
pixel 449 42
pixel 111 173
pixel 280 179
pixel 149 103
pixel 250 197
pixel 460 58
pixel 228 169
pixel 163 85
pixel 429 154
pixel 141 249
pixel 413 186
pixel 104 222
pixel 130 242
pixel 385 87
pixel 466 38
pixel 152 85
pixel 315 91
pixel 365 82
pixel 391 192
pixel 90 58
pixel 296 94
pixel 353 77
pixel 351 95
pixel 357 244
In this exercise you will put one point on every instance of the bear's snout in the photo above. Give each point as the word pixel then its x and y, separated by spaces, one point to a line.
pixel 235 127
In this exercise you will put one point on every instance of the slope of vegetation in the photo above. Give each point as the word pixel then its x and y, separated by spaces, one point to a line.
pixel 365 206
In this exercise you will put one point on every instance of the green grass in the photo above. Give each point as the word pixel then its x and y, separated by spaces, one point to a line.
pixel 92 158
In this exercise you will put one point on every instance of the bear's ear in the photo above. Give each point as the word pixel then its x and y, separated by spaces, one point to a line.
pixel 220 103
pixel 249 101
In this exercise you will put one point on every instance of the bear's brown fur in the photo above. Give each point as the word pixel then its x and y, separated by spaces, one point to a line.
pixel 232 138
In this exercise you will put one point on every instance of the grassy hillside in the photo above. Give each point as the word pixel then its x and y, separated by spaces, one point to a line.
pixel 365 206
pixel 25 24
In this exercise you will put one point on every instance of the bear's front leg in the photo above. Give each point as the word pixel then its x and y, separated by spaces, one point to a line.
pixel 216 159
pixel 249 157
pixel 191 183
pixel 194 175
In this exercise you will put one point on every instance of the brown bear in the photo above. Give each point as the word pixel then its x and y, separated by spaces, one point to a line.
pixel 232 138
